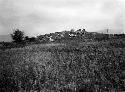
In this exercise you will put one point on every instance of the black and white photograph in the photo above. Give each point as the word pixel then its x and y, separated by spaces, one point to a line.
pixel 62 45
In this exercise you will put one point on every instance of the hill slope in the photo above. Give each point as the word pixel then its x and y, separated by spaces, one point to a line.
pixel 62 68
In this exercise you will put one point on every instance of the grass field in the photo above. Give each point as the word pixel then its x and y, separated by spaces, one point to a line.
pixel 73 67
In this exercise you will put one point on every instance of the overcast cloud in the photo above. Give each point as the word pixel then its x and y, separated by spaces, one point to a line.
pixel 44 16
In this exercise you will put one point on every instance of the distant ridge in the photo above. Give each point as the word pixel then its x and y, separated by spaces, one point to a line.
pixel 5 38
pixel 111 31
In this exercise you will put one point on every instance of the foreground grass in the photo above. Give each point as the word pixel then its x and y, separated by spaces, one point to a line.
pixel 75 67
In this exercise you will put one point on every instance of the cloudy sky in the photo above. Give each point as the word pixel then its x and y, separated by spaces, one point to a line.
pixel 36 17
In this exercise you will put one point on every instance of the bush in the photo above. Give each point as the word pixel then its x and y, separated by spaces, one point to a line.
pixel 17 36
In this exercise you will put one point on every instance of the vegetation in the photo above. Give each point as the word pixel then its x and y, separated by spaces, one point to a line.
pixel 80 35
pixel 75 61
pixel 73 67
pixel 17 36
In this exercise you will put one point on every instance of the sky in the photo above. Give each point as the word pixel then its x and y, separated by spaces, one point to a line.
pixel 36 17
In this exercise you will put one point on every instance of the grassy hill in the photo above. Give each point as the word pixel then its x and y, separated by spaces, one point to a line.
pixel 71 67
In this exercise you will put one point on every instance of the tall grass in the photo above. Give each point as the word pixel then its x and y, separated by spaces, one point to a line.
pixel 62 68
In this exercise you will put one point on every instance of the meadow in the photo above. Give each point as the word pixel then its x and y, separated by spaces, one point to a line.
pixel 71 67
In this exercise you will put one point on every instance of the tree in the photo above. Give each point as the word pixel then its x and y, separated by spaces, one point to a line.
pixel 17 36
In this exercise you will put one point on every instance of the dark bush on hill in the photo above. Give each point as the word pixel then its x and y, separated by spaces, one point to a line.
pixel 17 36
